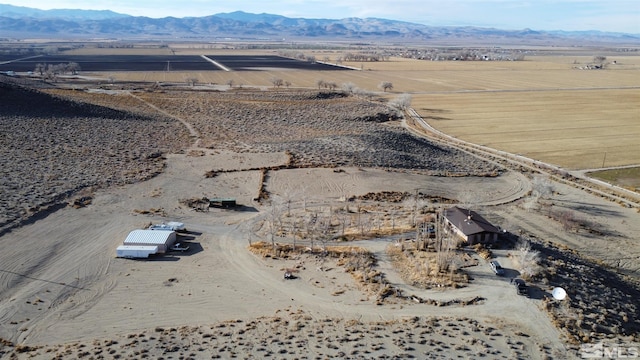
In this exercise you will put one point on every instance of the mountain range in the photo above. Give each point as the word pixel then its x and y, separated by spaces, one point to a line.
pixel 18 21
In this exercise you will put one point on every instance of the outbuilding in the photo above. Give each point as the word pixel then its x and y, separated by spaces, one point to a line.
pixel 162 239
pixel 135 251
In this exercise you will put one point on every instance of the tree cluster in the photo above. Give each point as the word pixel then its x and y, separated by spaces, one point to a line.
pixel 365 57
pixel 480 54
pixel 51 71
pixel 329 85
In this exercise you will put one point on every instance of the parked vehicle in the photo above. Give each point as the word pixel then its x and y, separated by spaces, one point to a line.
pixel 179 247
pixel 170 226
pixel 160 227
pixel 496 268
pixel 521 287
pixel 177 226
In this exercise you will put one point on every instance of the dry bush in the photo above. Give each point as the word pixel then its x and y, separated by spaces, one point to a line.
pixel 21 348
pixel 152 211
pixel 482 251
pixel 156 192
pixel 200 204
pixel 210 174
pixel 420 268
pixel 600 303
pixel 358 262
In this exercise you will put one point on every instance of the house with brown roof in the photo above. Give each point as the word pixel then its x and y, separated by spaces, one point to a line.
pixel 470 226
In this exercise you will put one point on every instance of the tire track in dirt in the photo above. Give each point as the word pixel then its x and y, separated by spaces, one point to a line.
pixel 192 130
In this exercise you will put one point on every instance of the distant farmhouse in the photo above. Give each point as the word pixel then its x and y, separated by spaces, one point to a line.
pixel 470 226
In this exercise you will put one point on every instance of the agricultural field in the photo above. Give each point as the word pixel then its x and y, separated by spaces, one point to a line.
pixel 101 63
pixel 544 107
pixel 574 129
pixel 625 177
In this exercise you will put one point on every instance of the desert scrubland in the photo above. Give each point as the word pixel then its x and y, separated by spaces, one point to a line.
pixel 330 185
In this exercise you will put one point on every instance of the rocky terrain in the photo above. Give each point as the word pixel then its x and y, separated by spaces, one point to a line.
pixel 53 148
pixel 319 129
pixel 55 145
pixel 80 143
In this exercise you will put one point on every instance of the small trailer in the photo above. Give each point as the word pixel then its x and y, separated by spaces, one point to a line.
pixel 222 202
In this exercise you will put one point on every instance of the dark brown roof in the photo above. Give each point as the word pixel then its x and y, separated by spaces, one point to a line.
pixel 468 221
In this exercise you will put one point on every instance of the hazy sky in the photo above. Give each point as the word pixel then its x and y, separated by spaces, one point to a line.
pixel 604 15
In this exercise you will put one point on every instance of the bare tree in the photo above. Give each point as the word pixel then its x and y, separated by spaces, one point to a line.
pixel 320 83
pixel 348 87
pixel 40 69
pixel 527 259
pixel 277 82
pixel 274 220
pixel 542 186
pixel 230 83
pixel 530 203
pixel 311 227
pixel 73 67
pixel 344 222
pixel 294 232
pixel 385 86
pixel 599 59
pixel 402 102
pixel 304 196
pixel 323 232
pixel 444 245
pixel 191 81
pixel 331 85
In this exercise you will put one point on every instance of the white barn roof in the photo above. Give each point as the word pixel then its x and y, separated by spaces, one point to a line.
pixel 150 237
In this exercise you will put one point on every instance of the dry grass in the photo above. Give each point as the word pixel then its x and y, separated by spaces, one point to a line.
pixel 628 178
pixel 569 128
pixel 357 261
pixel 419 268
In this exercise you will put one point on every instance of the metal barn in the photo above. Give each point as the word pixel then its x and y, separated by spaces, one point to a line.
pixel 162 239
pixel 135 251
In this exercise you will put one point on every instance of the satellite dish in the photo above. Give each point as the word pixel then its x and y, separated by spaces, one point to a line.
pixel 558 293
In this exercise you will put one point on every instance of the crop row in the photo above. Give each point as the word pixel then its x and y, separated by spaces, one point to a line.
pixel 159 63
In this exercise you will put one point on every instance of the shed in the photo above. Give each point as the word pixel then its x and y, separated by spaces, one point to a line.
pixel 136 252
pixel 222 202
pixel 470 226
pixel 162 239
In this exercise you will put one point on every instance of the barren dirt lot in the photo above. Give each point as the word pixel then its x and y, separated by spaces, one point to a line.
pixel 64 294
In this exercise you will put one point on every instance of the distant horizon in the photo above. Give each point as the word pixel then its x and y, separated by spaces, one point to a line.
pixel 618 16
